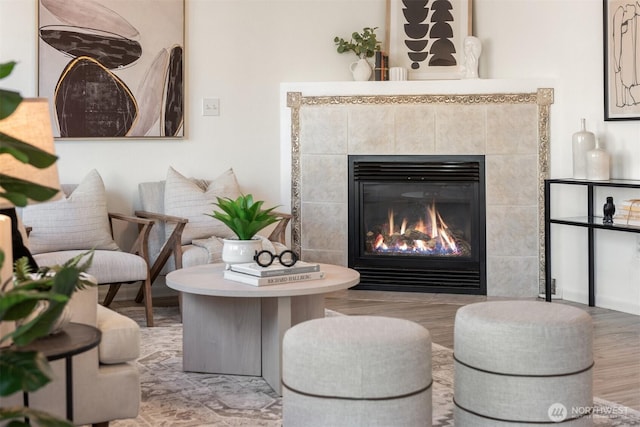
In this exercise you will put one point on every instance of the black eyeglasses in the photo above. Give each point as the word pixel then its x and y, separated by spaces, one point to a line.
pixel 265 258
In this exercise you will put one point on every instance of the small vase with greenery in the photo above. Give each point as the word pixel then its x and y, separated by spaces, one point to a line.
pixel 364 45
pixel 33 300
pixel 245 217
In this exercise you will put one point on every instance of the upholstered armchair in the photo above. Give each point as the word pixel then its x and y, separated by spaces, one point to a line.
pixel 106 381
pixel 62 229
pixel 183 235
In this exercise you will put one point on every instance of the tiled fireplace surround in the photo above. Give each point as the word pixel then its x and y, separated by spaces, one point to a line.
pixel 510 129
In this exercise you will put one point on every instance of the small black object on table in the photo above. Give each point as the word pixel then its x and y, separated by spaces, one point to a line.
pixel 75 338
pixel 609 209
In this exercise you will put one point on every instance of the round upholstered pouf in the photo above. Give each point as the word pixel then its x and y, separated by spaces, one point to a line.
pixel 521 363
pixel 356 371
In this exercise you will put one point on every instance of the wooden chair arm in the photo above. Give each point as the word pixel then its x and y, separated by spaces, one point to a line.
pixel 161 217
pixel 129 218
pixel 279 234
pixel 141 244
pixel 172 245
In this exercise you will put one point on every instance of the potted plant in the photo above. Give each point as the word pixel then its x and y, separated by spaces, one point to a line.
pixel 245 217
pixel 21 299
pixel 364 45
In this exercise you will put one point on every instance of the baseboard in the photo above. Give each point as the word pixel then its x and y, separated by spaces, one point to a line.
pixel 624 306
pixel 553 296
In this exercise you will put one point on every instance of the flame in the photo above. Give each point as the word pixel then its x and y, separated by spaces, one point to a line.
pixel 431 212
pixel 421 245
pixel 379 242
pixel 420 226
pixel 438 238
pixel 403 228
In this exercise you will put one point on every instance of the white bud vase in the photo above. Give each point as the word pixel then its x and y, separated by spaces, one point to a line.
pixel 361 70
pixel 598 161
pixel 582 142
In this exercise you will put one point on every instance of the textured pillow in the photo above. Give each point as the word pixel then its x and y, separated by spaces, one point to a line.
pixel 79 221
pixel 193 199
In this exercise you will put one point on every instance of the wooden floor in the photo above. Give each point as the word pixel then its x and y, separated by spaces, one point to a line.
pixel 616 334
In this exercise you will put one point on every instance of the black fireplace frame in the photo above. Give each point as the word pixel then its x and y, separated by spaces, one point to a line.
pixel 405 273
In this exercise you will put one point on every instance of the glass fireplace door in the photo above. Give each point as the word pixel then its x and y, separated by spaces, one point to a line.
pixel 417 223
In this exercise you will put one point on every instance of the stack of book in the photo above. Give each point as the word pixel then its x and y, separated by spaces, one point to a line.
pixel 275 274
pixel 381 66
pixel 629 212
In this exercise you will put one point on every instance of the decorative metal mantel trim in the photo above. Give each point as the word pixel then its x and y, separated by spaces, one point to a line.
pixel 543 98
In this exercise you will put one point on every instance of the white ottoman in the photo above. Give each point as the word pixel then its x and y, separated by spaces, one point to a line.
pixel 522 363
pixel 356 371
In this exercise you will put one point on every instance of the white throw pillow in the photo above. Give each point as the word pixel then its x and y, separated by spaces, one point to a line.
pixel 79 221
pixel 193 199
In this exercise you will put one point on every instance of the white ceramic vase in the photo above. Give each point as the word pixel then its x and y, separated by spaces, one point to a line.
pixel 582 142
pixel 598 161
pixel 361 70
pixel 236 251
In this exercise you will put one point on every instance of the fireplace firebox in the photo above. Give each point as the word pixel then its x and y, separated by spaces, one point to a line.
pixel 417 223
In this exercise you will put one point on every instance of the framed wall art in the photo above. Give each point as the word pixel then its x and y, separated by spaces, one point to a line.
pixel 621 56
pixel 112 68
pixel 426 37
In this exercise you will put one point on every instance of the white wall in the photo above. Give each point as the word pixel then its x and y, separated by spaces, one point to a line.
pixel 240 50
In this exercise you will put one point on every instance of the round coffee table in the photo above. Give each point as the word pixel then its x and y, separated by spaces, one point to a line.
pixel 234 328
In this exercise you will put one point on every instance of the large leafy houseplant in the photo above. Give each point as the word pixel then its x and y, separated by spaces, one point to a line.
pixel 22 294
pixel 15 190
pixel 244 216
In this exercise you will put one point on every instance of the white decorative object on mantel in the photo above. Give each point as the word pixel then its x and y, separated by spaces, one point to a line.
pixel 472 51
pixel 361 70
pixel 397 73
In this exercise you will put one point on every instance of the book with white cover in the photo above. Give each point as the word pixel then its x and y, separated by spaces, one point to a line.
pixel 275 269
pixel 275 280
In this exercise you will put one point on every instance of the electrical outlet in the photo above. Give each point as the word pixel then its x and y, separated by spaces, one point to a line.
pixel 210 106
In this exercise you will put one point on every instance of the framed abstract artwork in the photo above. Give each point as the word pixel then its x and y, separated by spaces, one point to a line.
pixel 426 37
pixel 112 68
pixel 621 56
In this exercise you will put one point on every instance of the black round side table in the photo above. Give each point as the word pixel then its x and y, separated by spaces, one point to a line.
pixel 75 338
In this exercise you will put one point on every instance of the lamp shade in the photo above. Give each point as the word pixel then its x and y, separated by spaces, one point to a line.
pixel 29 123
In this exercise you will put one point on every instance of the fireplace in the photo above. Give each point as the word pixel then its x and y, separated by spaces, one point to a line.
pixel 417 223
pixel 506 121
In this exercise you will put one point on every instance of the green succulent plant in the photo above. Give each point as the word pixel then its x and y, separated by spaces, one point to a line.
pixel 244 216
pixel 364 44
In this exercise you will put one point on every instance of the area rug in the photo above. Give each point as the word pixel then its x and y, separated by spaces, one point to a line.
pixel 173 398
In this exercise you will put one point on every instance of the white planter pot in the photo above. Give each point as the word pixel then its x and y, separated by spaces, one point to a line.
pixel 235 251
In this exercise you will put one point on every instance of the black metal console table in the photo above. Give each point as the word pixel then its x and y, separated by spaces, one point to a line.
pixel 591 222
